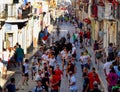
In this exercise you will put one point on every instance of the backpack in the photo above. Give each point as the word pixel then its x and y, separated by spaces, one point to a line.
pixel 41 90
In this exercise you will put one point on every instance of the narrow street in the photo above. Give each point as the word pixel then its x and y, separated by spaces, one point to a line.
pixel 82 36
pixel 64 84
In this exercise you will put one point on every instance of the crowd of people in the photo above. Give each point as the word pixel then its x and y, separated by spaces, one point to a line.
pixel 11 57
pixel 48 73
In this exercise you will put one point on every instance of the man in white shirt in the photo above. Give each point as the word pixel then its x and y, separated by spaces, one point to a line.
pixel 72 83
pixel 63 56
pixel 45 58
pixel 52 61
pixel 107 67
pixel 73 51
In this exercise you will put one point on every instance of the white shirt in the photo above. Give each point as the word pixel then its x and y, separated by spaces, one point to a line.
pixel 73 50
pixel 81 59
pixel 44 58
pixel 85 59
pixel 73 79
pixel 26 67
pixel 51 61
pixel 107 66
pixel 5 55
pixel 63 54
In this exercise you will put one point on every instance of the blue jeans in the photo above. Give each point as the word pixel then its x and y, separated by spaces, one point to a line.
pixel 5 63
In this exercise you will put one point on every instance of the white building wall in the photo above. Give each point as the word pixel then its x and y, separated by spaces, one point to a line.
pixel 1 42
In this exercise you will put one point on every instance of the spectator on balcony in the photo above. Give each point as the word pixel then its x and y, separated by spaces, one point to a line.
pixel 20 12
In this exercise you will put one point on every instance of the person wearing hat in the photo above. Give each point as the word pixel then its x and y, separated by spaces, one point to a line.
pixel 95 87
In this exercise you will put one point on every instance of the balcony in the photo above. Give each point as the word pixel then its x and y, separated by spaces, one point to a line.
pixel 18 13
pixel 113 12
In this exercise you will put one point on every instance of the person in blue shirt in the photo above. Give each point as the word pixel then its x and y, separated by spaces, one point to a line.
pixel 11 87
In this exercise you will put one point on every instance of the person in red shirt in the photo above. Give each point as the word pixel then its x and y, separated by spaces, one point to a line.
pixel 93 77
pixel 88 37
pixel 58 73
pixel 54 81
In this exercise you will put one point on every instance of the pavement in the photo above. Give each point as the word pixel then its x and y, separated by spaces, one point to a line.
pixel 12 72
pixel 64 83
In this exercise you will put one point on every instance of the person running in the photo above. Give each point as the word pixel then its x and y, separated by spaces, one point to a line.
pixel 106 66
pixel 45 82
pixel 88 37
pixel 81 38
pixel 72 82
pixel 25 71
pixel 20 55
pixel 11 87
pixel 63 55
pixel 73 51
pixel 112 78
pixel 54 81
pixel 81 60
pixel 39 87
pixel 58 73
pixel 98 56
pixel 52 61
pixel 68 36
pixel 85 83
pixel 93 76
pixel 58 30
pixel 70 67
